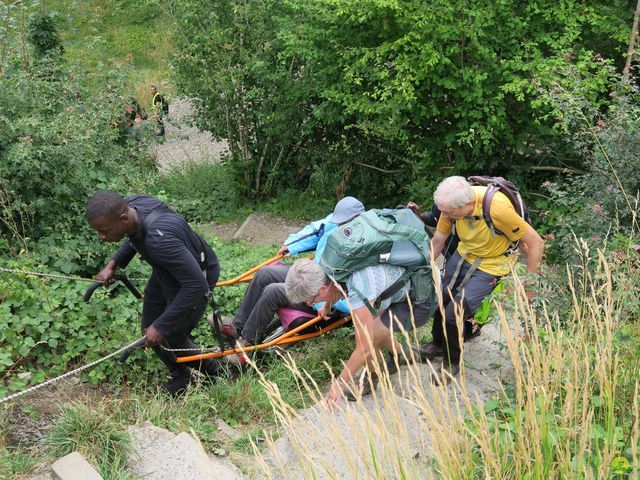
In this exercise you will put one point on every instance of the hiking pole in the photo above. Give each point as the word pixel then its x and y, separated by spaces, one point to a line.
pixel 119 276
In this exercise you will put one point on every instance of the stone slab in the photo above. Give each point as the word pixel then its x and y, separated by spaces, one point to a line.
pixel 346 443
pixel 162 455
pixel 73 467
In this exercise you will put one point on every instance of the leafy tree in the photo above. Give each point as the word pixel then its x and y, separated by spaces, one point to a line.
pixel 44 37
pixel 373 95
pixel 602 205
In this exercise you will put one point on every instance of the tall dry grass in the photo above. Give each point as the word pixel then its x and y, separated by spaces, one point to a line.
pixel 559 418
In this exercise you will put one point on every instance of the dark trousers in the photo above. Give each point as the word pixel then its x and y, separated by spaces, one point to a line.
pixel 155 302
pixel 265 295
pixel 475 290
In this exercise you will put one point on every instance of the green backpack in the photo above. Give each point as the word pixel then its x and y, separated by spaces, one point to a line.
pixel 393 236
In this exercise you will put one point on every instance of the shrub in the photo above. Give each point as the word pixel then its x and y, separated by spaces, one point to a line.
pixel 603 204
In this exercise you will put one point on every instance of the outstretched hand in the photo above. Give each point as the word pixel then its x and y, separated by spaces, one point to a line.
pixel 414 208
pixel 334 395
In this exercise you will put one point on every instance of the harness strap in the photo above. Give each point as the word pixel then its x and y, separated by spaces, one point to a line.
pixel 361 296
pixel 471 271
pixel 456 273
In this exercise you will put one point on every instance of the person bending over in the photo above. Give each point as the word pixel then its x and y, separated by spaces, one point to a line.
pixel 185 271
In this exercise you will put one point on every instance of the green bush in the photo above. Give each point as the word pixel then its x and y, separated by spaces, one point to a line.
pixel 57 146
pixel 44 36
pixel 602 205
pixel 382 98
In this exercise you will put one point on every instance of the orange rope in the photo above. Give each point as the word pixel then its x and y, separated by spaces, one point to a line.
pixel 285 339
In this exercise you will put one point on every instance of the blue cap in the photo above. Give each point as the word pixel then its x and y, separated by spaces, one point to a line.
pixel 346 209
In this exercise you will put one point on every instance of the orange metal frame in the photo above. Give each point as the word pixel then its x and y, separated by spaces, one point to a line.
pixel 287 338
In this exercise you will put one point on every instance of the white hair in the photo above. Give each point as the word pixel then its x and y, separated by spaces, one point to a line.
pixel 304 279
pixel 453 191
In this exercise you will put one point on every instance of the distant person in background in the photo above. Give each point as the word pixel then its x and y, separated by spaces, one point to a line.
pixel 160 109
pixel 131 111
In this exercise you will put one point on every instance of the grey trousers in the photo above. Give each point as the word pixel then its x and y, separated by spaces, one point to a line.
pixel 265 295
pixel 478 287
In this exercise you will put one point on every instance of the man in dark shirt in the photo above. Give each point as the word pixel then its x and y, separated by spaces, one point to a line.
pixel 185 271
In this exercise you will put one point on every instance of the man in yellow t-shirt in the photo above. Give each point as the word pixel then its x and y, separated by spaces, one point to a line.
pixel 482 258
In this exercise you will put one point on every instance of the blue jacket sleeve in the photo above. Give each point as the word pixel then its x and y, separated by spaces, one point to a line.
pixel 306 239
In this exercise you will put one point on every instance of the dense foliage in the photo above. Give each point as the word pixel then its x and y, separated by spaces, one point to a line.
pixel 44 37
pixel 341 95
pixel 601 205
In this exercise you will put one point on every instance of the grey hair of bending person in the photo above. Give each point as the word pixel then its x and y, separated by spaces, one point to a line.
pixel 453 191
pixel 304 279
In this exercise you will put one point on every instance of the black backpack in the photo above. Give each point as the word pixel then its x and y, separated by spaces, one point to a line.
pixel 508 189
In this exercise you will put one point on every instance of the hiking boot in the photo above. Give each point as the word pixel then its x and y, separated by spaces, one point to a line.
pixel 368 384
pixel 444 372
pixel 391 363
pixel 430 351
pixel 225 325
pixel 211 370
pixel 177 385
pixel 239 359
pixel 471 329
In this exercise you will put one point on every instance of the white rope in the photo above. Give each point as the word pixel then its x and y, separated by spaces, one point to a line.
pixel 197 349
pixel 57 275
pixel 63 376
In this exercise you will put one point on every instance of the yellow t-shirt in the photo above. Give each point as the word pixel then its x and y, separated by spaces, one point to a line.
pixel 477 239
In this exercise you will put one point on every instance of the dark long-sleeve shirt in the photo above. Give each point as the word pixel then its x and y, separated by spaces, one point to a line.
pixel 177 255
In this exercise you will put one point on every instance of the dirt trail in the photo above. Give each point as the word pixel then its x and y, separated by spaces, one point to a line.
pixel 184 143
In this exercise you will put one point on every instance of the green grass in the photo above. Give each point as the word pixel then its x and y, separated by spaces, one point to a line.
pixel 16 462
pixel 100 34
pixel 93 432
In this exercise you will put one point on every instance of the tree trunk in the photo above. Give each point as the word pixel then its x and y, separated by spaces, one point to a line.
pixel 632 44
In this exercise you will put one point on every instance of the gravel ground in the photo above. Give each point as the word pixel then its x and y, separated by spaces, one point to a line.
pixel 184 143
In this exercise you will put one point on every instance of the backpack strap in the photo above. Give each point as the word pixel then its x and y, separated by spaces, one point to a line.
pixel 389 292
pixel 486 207
pixel 361 296
pixel 394 288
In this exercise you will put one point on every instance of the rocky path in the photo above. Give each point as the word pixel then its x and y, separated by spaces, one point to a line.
pixel 185 143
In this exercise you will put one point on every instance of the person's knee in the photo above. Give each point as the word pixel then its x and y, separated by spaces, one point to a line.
pixel 273 290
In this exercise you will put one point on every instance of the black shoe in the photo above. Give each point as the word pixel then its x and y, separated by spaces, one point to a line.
pixel 177 385
pixel 430 351
pixel 444 372
pixel 367 382
pixel 211 370
pixel 392 367
pixel 471 330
